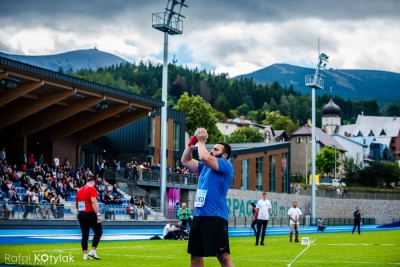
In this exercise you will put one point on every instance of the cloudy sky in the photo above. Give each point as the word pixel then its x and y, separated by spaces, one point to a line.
pixel 230 36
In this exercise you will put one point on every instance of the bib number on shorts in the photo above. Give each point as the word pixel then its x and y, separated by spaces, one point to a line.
pixel 200 198
pixel 81 206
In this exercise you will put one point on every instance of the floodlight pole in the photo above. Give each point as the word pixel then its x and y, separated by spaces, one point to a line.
pixel 315 81
pixel 168 22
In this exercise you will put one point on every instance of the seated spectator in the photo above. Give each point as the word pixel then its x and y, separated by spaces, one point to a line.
pixel 44 210
pixel 118 200
pixel 4 187
pixel 14 197
pixel 132 212
pixel 320 221
pixel 116 191
pixel 170 231
pixel 14 176
pixel 64 192
pixel 181 231
pixel 27 204
pixel 53 207
pixel 47 195
pixel 109 214
pixel 60 209
pixel 24 180
pixel 7 210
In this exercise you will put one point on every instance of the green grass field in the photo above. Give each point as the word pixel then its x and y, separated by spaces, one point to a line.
pixel 380 248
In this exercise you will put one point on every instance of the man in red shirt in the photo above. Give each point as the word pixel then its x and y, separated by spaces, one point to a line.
pixel 89 217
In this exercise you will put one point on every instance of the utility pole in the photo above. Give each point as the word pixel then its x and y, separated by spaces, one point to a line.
pixel 168 22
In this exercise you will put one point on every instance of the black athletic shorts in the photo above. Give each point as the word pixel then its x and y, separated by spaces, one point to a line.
pixel 208 236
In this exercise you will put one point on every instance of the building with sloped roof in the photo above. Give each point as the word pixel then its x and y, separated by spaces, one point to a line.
pixel 386 131
pixel 300 142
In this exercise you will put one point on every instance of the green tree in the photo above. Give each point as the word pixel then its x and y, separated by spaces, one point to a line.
pixel 390 173
pixel 199 114
pixel 351 168
pixel 245 135
pixel 392 110
pixel 280 122
pixel 325 161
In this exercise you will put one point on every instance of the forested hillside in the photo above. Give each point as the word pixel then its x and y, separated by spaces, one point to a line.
pixel 230 97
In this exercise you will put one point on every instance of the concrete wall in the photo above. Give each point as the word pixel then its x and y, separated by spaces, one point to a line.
pixel 382 210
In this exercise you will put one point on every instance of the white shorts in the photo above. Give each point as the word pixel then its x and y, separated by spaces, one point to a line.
pixel 292 227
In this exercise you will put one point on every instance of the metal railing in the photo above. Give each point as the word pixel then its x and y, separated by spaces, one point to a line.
pixel 68 212
pixel 324 193
pixel 153 177
pixel 284 221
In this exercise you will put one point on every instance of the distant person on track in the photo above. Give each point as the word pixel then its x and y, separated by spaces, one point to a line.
pixel 357 220
pixel 263 208
pixel 294 215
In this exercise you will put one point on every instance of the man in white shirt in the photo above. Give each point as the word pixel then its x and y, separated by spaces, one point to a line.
pixel 170 231
pixel 294 215
pixel 56 162
pixel 263 207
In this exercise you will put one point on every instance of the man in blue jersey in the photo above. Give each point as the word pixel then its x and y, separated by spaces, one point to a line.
pixel 209 229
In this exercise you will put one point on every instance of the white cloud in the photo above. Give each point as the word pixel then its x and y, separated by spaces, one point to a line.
pixel 232 38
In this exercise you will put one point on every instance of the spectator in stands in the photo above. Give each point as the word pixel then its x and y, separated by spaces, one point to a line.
pixel 109 214
pixel 44 210
pixel 56 162
pixel 135 170
pixel 102 167
pixel 66 164
pixel 3 155
pixel 14 176
pixel 141 203
pixel 47 195
pixel 5 211
pixel 14 197
pixel 4 186
pixel 34 202
pixel 24 180
pixel 31 162
pixel 132 212
pixel 53 207
pixel 27 204
pixel 24 161
pixel 136 201
pixel 128 171
pixel 41 160
pixel 141 168
pixel 64 192
pixel 101 197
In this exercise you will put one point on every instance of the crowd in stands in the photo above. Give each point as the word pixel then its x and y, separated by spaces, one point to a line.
pixel 136 171
pixel 40 187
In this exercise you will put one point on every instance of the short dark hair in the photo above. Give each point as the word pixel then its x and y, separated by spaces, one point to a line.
pixel 227 148
pixel 91 178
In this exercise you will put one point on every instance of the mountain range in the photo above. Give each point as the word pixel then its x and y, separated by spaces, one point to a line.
pixel 73 60
pixel 383 86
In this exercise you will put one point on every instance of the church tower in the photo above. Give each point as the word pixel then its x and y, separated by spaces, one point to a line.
pixel 331 117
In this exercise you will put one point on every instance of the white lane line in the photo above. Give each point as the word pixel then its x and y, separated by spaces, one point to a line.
pixel 304 250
